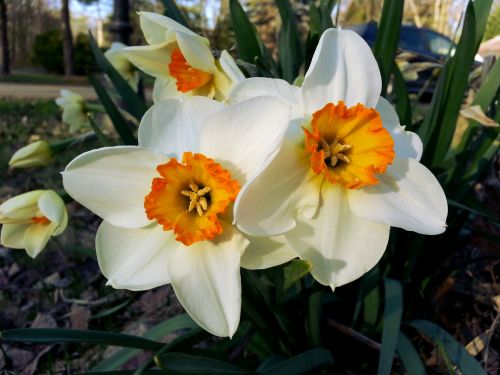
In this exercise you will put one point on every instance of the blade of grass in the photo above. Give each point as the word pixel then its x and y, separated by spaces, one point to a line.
pixel 120 124
pixel 393 311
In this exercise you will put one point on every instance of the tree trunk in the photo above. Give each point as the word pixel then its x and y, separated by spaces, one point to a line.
pixel 4 40
pixel 120 26
pixel 69 58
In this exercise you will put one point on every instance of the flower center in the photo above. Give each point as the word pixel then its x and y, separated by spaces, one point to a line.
pixel 349 146
pixel 197 198
pixel 40 220
pixel 189 197
pixel 334 152
pixel 187 78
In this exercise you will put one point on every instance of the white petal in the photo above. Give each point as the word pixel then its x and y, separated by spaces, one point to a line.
pixel 113 181
pixel 268 204
pixel 277 88
pixel 406 144
pixel 343 68
pixel 23 206
pixel 408 196
pixel 196 51
pixel 52 206
pixel 172 126
pixel 245 135
pixel 154 26
pixel 340 245
pixel 13 235
pixel 206 280
pixel 135 259
pixel 36 238
pixel 165 88
pixel 266 252
pixel 230 68
pixel 152 60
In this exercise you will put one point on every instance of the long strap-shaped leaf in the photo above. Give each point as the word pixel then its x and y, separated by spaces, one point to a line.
pixel 178 322
pixel 120 124
pixel 393 310
pixel 173 11
pixel 301 364
pixel 409 356
pixel 51 335
pixel 387 40
pixel 249 44
pixel 456 352
pixel 132 101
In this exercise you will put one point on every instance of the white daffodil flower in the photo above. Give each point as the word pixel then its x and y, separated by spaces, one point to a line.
pixel 118 58
pixel 30 219
pixel 347 170
pixel 166 203
pixel 36 154
pixel 182 61
pixel 74 112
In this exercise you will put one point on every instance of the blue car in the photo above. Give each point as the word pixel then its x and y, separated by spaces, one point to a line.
pixel 425 45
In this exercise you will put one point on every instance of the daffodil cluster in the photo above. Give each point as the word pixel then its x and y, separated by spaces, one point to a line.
pixel 232 172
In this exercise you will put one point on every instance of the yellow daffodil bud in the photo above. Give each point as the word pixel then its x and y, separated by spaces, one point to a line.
pixel 36 154
pixel 74 111
pixel 30 219
pixel 122 64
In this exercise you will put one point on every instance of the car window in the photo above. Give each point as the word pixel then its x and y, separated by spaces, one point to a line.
pixel 438 44
pixel 413 39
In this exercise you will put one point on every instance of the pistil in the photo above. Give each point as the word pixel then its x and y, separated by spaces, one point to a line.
pixel 197 198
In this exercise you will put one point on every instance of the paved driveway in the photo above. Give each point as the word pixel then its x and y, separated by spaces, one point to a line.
pixel 41 91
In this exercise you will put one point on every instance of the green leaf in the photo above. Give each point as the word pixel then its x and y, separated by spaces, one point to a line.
pixel 173 11
pixel 99 134
pixel 303 363
pixel 176 323
pixel 51 335
pixel 456 352
pixel 295 270
pixel 120 124
pixel 393 310
pixel 291 55
pixel 439 127
pixel 132 101
pixel 249 45
pixel 371 297
pixel 145 372
pixel 186 364
pixel 111 310
pixel 387 40
pixel 314 317
pixel 409 356
pixel 402 101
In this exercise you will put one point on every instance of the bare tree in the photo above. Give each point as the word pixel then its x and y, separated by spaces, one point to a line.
pixel 68 50
pixel 5 69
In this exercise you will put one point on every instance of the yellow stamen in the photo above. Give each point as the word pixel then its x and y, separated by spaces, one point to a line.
pixel 197 198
